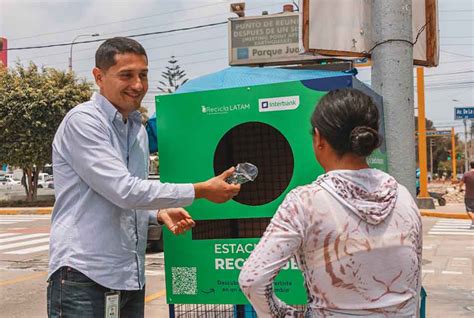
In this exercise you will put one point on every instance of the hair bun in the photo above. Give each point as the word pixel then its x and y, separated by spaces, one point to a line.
pixel 364 140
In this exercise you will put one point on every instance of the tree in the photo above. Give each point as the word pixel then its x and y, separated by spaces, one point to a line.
pixel 33 101
pixel 174 77
pixel 441 149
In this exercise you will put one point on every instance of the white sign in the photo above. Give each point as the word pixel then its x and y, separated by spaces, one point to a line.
pixel 266 39
pixel 278 103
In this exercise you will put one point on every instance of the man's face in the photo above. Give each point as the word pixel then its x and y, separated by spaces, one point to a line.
pixel 125 83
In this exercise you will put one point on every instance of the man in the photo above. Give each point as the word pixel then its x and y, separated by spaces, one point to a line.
pixel 468 180
pixel 101 216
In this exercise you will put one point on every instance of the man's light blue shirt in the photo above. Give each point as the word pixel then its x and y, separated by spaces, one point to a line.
pixel 103 200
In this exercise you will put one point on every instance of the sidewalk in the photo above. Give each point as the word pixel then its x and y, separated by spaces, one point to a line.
pixel 450 210
pixel 25 210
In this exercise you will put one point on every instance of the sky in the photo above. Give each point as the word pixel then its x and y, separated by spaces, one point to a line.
pixel 203 51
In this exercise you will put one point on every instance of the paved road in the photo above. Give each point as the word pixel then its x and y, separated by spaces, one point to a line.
pixel 448 257
pixel 23 266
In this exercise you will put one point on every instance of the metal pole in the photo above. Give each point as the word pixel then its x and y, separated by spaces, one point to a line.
pixel 431 158
pixel 392 77
pixel 470 143
pixel 420 83
pixel 72 43
pixel 70 52
pixel 465 147
pixel 453 154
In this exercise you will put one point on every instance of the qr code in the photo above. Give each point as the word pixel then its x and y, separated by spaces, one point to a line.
pixel 184 280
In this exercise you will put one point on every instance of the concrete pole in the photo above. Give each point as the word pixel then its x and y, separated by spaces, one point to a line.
pixel 392 77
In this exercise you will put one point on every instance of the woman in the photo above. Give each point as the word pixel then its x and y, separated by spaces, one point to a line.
pixel 355 232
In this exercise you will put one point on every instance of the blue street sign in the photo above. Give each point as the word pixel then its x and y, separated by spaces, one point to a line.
pixel 431 133
pixel 438 133
pixel 463 112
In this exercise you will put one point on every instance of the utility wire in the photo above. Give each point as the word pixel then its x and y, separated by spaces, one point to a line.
pixel 118 21
pixel 130 36
pixel 467 10
pixel 151 48
pixel 453 73
pixel 116 32
pixel 464 55
pixel 191 19
pixel 148 49
pixel 140 18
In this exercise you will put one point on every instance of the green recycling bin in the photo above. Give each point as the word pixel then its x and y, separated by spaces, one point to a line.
pixel 201 134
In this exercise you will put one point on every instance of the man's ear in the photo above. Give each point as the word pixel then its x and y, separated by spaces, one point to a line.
pixel 97 72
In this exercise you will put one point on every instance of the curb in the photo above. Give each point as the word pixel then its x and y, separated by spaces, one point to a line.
pixel 446 215
pixel 16 211
pixel 48 210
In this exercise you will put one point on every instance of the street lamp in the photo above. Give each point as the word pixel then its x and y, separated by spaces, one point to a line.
pixel 72 43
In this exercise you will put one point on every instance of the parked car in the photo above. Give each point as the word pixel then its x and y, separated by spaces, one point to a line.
pixel 155 239
pixel 8 181
pixel 43 180
pixel 154 242
pixel 3 180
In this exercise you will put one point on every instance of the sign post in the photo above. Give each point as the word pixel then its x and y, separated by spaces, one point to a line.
pixel 464 113
pixel 269 40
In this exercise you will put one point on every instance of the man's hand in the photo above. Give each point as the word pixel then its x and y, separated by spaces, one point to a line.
pixel 217 189
pixel 177 220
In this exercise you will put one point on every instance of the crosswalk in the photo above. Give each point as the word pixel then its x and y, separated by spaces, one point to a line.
pixel 12 219
pixel 14 241
pixel 21 244
pixel 452 227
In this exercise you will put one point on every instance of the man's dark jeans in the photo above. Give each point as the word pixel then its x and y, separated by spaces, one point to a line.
pixel 72 294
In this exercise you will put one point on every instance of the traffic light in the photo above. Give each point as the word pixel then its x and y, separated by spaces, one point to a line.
pixel 449 155
pixel 458 156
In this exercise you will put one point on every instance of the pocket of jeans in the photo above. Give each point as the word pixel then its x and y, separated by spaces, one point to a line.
pixel 76 278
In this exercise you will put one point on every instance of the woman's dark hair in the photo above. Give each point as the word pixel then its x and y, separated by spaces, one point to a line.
pixel 349 120
pixel 105 54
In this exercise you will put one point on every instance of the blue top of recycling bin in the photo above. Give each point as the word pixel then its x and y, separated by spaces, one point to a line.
pixel 247 76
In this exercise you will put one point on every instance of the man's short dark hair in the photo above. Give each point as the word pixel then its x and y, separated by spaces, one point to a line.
pixel 105 54
pixel 472 164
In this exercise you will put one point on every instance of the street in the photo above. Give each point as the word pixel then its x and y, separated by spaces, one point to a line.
pixel 24 262
pixel 17 192
pixel 448 255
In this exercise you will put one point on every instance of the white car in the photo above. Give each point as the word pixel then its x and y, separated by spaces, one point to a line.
pixel 44 180
pixel 8 182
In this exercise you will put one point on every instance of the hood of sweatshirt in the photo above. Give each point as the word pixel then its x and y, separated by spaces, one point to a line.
pixel 370 193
